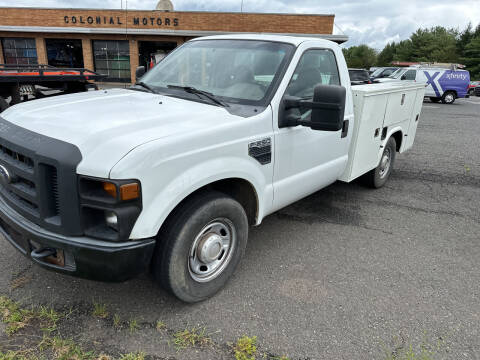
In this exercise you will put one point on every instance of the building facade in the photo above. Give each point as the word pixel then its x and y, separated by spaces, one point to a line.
pixel 115 42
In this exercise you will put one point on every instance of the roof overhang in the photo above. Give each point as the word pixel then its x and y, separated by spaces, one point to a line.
pixel 165 32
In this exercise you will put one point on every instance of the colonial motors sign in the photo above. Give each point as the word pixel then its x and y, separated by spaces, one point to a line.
pixel 151 21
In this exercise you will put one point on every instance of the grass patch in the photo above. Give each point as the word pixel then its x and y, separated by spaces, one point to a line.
pixel 161 325
pixel 427 350
pixel 245 348
pixel 133 325
pixel 190 338
pixel 13 316
pixel 133 356
pixel 117 322
pixel 100 311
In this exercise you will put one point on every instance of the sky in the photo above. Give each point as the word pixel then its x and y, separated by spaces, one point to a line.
pixel 371 22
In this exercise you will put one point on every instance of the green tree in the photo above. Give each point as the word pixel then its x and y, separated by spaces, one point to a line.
pixel 437 44
pixel 387 55
pixel 472 57
pixel 361 56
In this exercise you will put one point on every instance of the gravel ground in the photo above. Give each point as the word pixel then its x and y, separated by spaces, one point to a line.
pixel 347 273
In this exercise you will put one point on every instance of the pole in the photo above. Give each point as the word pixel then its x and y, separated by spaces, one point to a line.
pixel 241 6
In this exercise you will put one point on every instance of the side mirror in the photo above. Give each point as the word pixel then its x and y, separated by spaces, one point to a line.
pixel 328 109
pixel 139 72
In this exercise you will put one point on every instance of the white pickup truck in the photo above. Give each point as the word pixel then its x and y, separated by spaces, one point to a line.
pixel 169 174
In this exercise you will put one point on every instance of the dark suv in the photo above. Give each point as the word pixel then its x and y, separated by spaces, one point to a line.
pixel 359 76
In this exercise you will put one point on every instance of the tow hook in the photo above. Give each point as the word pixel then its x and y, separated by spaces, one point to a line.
pixel 40 254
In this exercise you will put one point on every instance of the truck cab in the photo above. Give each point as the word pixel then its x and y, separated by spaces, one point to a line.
pixel 169 174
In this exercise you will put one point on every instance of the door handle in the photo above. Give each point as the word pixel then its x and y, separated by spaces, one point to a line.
pixel 345 128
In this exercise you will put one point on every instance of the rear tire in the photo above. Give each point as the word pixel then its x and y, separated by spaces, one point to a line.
pixel 3 104
pixel 377 177
pixel 448 97
pixel 435 99
pixel 200 246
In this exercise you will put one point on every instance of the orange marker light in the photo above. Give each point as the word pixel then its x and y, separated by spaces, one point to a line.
pixel 129 191
pixel 111 189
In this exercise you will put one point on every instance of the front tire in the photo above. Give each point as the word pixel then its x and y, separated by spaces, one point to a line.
pixel 200 246
pixel 448 97
pixel 377 177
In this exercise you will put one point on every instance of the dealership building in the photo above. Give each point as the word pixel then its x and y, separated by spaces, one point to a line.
pixel 114 42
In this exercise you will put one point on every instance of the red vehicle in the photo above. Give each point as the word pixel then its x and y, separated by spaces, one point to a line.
pixel 471 88
pixel 25 82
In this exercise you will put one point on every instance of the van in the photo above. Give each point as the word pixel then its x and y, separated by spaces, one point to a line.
pixel 445 85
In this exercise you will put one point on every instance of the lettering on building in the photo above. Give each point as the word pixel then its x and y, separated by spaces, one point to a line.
pixel 116 20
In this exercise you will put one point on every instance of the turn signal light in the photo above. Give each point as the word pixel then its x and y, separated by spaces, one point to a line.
pixel 129 191
pixel 110 189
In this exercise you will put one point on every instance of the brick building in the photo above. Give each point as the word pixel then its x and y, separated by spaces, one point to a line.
pixel 114 42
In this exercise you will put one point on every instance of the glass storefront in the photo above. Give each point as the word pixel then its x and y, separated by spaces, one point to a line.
pixel 112 58
pixel 64 53
pixel 19 51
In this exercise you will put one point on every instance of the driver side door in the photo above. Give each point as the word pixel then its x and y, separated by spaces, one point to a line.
pixel 307 160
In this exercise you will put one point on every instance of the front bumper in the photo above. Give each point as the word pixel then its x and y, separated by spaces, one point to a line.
pixel 77 256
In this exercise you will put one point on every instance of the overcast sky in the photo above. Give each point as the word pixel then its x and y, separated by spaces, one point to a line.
pixel 372 22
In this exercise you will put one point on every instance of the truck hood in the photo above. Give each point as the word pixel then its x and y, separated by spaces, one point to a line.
pixel 106 125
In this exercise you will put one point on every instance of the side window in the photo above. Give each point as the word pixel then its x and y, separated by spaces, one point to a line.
pixel 410 75
pixel 316 67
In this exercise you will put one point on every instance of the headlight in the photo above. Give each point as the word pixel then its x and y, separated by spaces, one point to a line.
pixel 109 208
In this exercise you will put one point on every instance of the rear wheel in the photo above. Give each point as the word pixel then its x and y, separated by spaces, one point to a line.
pixel 471 92
pixel 435 99
pixel 377 177
pixel 200 246
pixel 448 97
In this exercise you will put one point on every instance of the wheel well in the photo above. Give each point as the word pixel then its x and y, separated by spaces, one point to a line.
pixel 452 91
pixel 239 189
pixel 398 139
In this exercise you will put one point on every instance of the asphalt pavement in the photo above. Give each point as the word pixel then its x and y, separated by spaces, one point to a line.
pixel 347 273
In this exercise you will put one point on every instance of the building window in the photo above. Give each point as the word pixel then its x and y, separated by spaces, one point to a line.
pixel 19 51
pixel 112 58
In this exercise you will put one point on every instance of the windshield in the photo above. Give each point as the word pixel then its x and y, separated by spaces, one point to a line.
pixel 398 73
pixel 234 70
pixel 377 72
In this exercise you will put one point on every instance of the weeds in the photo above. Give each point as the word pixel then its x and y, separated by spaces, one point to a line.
pixel 161 325
pixel 425 351
pixel 133 325
pixel 245 348
pixel 100 311
pixel 12 315
pixel 116 321
pixel 192 337
pixel 133 356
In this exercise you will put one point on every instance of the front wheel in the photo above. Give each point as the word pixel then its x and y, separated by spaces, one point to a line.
pixel 377 177
pixel 200 246
pixel 448 97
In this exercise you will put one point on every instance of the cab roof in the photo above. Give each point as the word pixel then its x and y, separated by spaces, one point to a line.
pixel 294 40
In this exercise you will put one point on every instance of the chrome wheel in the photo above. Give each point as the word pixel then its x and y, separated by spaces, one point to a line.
pixel 212 250
pixel 385 163
pixel 449 98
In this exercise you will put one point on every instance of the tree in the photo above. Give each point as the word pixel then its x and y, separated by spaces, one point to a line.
pixel 387 55
pixel 363 56
pixel 472 57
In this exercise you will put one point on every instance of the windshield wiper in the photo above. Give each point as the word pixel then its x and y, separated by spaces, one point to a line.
pixel 192 90
pixel 146 86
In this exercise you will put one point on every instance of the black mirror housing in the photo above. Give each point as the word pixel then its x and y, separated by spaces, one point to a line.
pixel 140 72
pixel 328 108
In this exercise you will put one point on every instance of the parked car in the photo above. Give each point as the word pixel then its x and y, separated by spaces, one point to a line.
pixel 471 88
pixel 169 174
pixel 443 85
pixel 477 91
pixel 383 72
pixel 359 76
